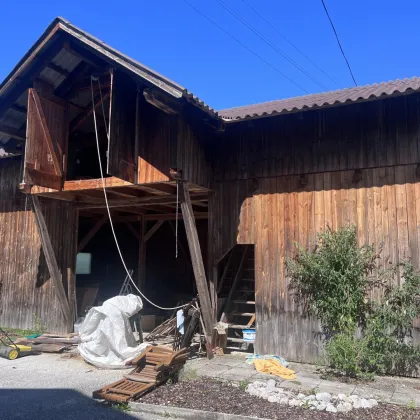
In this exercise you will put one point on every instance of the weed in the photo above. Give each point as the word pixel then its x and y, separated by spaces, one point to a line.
pixel 122 407
pixel 314 390
pixel 296 382
pixel 243 385
pixel 411 405
pixel 37 325
pixel 187 375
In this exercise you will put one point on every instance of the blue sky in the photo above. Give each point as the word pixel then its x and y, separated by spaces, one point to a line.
pixel 380 38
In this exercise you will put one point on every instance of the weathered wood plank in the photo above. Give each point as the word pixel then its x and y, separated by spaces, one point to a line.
pixel 51 260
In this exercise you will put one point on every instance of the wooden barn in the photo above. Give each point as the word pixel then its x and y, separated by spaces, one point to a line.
pixel 230 192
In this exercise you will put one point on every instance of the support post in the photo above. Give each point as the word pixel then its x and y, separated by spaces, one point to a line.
pixel 197 260
pixel 51 260
pixel 142 255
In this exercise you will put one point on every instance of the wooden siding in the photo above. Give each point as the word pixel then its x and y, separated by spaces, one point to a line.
pixel 367 135
pixel 122 127
pixel 25 287
pixel 278 188
pixel 193 155
pixel 156 135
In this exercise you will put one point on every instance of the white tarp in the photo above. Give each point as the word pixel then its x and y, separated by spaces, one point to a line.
pixel 107 340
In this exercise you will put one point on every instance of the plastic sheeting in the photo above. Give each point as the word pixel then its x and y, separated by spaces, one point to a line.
pixel 107 340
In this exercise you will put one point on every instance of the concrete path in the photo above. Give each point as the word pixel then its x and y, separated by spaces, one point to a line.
pixel 51 386
pixel 395 390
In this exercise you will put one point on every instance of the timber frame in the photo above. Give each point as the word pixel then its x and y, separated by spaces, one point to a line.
pixel 255 179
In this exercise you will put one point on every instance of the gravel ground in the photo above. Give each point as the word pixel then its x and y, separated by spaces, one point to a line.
pixel 211 395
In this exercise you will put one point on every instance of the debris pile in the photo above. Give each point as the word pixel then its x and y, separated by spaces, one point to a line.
pixel 322 401
pixel 50 343
pixel 153 366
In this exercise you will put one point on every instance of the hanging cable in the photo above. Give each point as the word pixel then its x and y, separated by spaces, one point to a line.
pixel 246 47
pixel 338 41
pixel 92 79
pixel 269 43
pixel 289 42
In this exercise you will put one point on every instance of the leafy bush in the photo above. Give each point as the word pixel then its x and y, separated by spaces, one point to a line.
pixel 362 336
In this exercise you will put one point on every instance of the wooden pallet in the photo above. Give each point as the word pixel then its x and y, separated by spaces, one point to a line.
pixel 123 390
pixel 153 367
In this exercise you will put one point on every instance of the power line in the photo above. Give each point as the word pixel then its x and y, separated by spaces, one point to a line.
pixel 290 42
pixel 273 46
pixel 339 43
pixel 246 47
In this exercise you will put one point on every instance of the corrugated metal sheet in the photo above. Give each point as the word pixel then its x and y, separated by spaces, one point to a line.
pixel 322 100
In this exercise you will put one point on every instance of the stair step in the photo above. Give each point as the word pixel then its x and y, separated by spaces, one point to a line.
pixel 242 313
pixel 238 327
pixel 237 340
pixel 245 302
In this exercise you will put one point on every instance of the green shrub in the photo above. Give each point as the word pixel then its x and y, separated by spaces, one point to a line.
pixel 362 336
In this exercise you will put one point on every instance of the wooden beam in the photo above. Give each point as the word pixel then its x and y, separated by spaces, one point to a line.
pixel 88 111
pixel 80 71
pixel 139 201
pixel 18 83
pixel 12 132
pixel 197 260
pixel 172 216
pixel 158 189
pixel 92 233
pixel 57 69
pixel 153 230
pixel 132 230
pixel 142 255
pixel 51 260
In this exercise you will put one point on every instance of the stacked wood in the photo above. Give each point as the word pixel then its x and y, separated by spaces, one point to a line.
pixel 153 366
pixel 163 330
pixel 50 343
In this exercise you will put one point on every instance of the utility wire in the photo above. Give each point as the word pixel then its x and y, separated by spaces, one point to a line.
pixel 290 42
pixel 339 43
pixel 268 42
pixel 246 47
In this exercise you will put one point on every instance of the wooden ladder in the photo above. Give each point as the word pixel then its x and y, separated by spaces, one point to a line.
pixel 239 308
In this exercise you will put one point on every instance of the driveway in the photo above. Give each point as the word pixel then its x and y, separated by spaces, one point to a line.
pixel 51 386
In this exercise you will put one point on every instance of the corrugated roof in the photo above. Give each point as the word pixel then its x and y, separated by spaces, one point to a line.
pixel 322 100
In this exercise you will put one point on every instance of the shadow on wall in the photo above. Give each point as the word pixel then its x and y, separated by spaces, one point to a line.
pixel 66 404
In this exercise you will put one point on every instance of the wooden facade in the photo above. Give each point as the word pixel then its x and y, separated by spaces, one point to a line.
pixel 283 179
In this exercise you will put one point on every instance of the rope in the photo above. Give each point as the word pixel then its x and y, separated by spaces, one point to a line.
pixel 107 205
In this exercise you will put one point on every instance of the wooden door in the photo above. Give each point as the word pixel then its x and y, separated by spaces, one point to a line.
pixel 46 134
pixel 121 146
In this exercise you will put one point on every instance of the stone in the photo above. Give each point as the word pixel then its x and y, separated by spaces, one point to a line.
pixel 367 403
pixel 344 407
pixel 284 401
pixel 342 397
pixel 323 396
pixel 301 396
pixel 321 406
pixel 293 402
pixel 373 402
pixel 357 403
pixel 310 398
pixel 271 383
pixel 273 398
pixel 353 398
pixel 330 408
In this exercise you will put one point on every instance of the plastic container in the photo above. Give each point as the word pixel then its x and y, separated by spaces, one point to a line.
pixel 249 335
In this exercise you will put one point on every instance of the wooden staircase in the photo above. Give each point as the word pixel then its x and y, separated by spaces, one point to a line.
pixel 238 283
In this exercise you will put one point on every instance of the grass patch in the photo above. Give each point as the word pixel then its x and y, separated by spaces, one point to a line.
pixel 16 332
pixel 188 375
pixel 243 385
